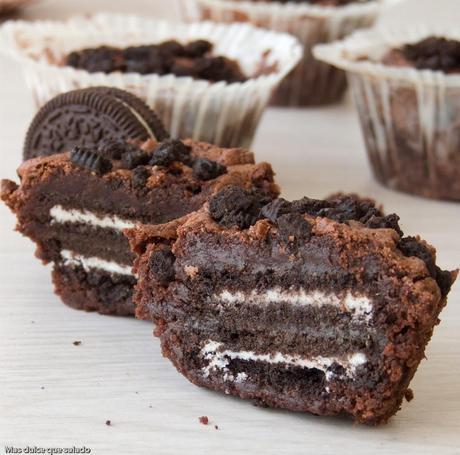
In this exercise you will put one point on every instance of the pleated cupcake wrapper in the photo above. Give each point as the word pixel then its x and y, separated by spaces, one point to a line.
pixel 410 118
pixel 312 82
pixel 220 113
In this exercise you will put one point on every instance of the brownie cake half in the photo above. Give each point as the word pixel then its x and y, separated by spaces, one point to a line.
pixel 312 306
pixel 75 206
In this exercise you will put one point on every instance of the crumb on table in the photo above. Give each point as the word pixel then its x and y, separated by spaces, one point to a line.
pixel 204 420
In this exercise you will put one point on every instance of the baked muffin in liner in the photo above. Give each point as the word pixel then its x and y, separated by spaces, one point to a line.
pixel 311 82
pixel 410 117
pixel 226 114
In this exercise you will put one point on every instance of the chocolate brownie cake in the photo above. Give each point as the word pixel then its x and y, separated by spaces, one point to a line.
pixel 75 205
pixel 193 59
pixel 319 306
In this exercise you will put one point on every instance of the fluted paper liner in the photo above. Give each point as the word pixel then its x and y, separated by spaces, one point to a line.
pixel 410 118
pixel 312 82
pixel 221 113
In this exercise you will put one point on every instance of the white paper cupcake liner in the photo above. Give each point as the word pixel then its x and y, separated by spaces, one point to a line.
pixel 410 118
pixel 220 113
pixel 312 82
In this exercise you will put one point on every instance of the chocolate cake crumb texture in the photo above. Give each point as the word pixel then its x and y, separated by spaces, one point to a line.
pixel 140 176
pixel 434 53
pixel 193 59
pixel 162 265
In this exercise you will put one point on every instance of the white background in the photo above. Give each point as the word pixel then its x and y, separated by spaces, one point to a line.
pixel 53 393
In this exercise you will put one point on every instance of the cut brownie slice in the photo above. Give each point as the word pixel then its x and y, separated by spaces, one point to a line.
pixel 313 306
pixel 76 205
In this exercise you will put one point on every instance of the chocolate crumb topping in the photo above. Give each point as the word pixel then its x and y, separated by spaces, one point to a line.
pixel 411 246
pixel 434 53
pixel 169 151
pixel 193 59
pixel 112 149
pixel 204 169
pixel 341 208
pixel 235 206
pixel 133 157
pixel 90 159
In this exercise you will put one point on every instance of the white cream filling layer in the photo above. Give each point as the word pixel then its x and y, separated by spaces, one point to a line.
pixel 361 307
pixel 219 359
pixel 62 215
pixel 88 263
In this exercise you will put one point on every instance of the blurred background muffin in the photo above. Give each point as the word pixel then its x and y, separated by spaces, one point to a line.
pixel 406 86
pixel 311 21
pixel 206 81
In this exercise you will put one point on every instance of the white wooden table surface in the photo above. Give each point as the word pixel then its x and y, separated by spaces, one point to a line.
pixel 55 394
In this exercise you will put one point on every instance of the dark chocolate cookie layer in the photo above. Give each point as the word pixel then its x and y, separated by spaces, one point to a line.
pixel 85 117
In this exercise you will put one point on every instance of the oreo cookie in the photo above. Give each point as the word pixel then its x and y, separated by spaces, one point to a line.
pixel 87 116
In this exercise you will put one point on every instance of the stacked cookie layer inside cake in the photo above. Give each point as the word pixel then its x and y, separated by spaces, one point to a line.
pixel 318 306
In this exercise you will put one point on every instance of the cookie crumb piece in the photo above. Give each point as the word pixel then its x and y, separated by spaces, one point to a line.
pixel 91 160
pixel 409 395
pixel 191 271
pixel 204 420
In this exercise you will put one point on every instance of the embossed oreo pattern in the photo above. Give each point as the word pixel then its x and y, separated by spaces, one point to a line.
pixel 86 117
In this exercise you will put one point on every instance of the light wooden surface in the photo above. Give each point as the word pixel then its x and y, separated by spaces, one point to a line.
pixel 55 394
